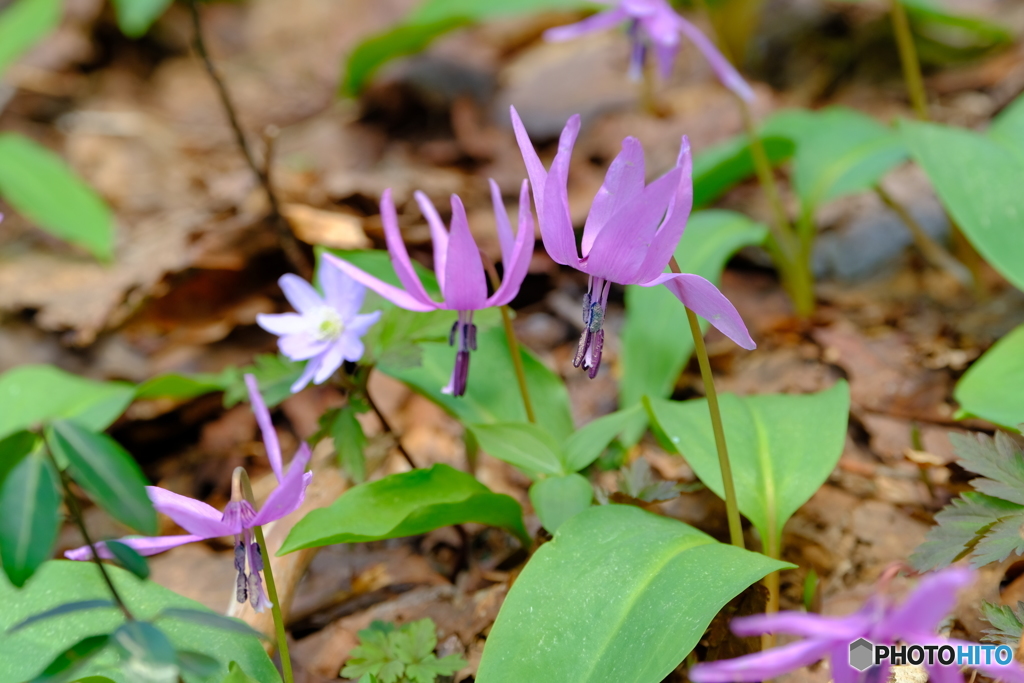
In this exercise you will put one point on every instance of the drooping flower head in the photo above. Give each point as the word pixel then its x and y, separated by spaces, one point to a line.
pixel 203 522
pixel 654 24
pixel 327 330
pixel 458 267
pixel 881 621
pixel 630 235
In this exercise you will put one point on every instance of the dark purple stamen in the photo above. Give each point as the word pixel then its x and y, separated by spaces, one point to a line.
pixel 588 353
pixel 242 583
pixel 461 373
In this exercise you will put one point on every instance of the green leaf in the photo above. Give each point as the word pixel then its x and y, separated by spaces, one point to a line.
pixel 198 664
pixel 1008 127
pixel 719 168
pixel 1001 540
pixel 274 374
pixel 13 449
pixel 151 652
pixel 65 663
pixel 635 591
pixel 183 387
pixel 66 608
pixel 24 654
pixel 406 504
pixel 492 394
pixel 134 17
pixel 349 443
pixel 557 499
pixel 106 472
pixel 23 24
pixel 1008 623
pixel 415 641
pixel 999 461
pixel 992 387
pixel 782 448
pixel 656 340
pixel 943 37
pixel 237 675
pixel 976 180
pixel 29 517
pixel 958 528
pixel 126 556
pixel 33 394
pixel 522 444
pixel 204 617
pixel 40 186
pixel 587 442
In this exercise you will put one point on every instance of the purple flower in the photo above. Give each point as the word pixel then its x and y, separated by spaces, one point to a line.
pixel 654 23
pixel 630 235
pixel 326 330
pixel 880 621
pixel 203 522
pixel 458 266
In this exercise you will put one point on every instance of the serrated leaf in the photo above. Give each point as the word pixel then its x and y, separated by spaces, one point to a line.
pixel 558 499
pixel 41 187
pixel 64 664
pixel 127 557
pixel 991 387
pixel 999 461
pixel 106 472
pixel 29 517
pixel 422 638
pixel 1002 539
pixel 1007 622
pixel 23 24
pixel 958 528
pixel 522 444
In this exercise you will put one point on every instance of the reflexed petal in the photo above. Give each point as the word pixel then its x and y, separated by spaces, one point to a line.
pixel 596 22
pixel 194 516
pixel 300 294
pixel 342 293
pixel 289 494
pixel 534 168
pixel 623 182
pixel 282 323
pixel 352 347
pixel 466 288
pixel 724 70
pixel 396 247
pixel 762 665
pixel 664 244
pixel 360 324
pixel 301 346
pixel 932 600
pixel 505 237
pixel 329 362
pixel 622 245
pixel 555 220
pixel 800 624
pixel 259 409
pixel 438 235
pixel 522 251
pixel 143 545
pixel 307 375
pixel 704 299
pixel 397 296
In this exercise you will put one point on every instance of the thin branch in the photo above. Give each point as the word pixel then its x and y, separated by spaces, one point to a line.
pixel 387 428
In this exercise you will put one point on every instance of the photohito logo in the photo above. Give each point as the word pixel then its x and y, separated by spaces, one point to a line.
pixel 864 654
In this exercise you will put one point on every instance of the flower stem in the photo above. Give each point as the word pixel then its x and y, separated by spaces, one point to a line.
pixel 387 427
pixel 282 639
pixel 908 58
pixel 732 510
pixel 513 343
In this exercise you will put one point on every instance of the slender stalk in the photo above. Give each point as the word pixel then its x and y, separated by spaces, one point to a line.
pixel 908 58
pixel 282 639
pixel 387 428
pixel 288 242
pixel 732 509
pixel 513 343
pixel 76 514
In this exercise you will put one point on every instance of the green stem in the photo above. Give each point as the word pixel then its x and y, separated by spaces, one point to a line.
pixel 513 342
pixel 908 58
pixel 282 639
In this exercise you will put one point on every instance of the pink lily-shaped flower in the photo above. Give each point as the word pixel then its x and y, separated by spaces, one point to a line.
pixel 630 235
pixel 458 267
pixel 655 23
pixel 203 522
pixel 880 622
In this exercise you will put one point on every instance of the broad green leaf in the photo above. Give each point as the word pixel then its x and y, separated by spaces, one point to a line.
pixel 127 557
pixel 406 504
pixel 719 168
pixel 557 499
pixel 522 444
pixel 237 675
pixel 147 646
pixel 620 594
pixel 349 443
pixel 134 17
pixel 993 387
pixel 25 653
pixel 656 340
pixel 13 449
pixel 182 387
pixel 41 187
pixel 106 472
pixel 29 517
pixel 944 37
pixel 1008 128
pixel 198 664
pixel 24 23
pixel 977 180
pixel 205 617
pixel 33 394
pixel 587 442
pixel 999 461
pixel 66 608
pixel 492 393
pixel 782 448
pixel 65 663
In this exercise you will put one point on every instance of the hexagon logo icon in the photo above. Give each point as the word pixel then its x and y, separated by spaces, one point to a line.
pixel 860 654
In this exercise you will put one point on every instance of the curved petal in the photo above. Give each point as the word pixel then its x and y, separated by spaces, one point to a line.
pixel 259 409
pixel 194 516
pixel 505 237
pixel 396 248
pixel 801 624
pixel 534 168
pixel 464 271
pixel 397 296
pixel 329 362
pixel 623 182
pixel 143 545
pixel 352 348
pixel 300 294
pixel 704 299
pixel 622 245
pixel 289 494
pixel 761 666
pixel 723 69
pixel 282 323
pixel 306 377
pixel 933 599
pixel 596 22
pixel 522 251
pixel 553 211
pixel 438 236
pixel 301 346
pixel 360 324
pixel 342 293
pixel 664 244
